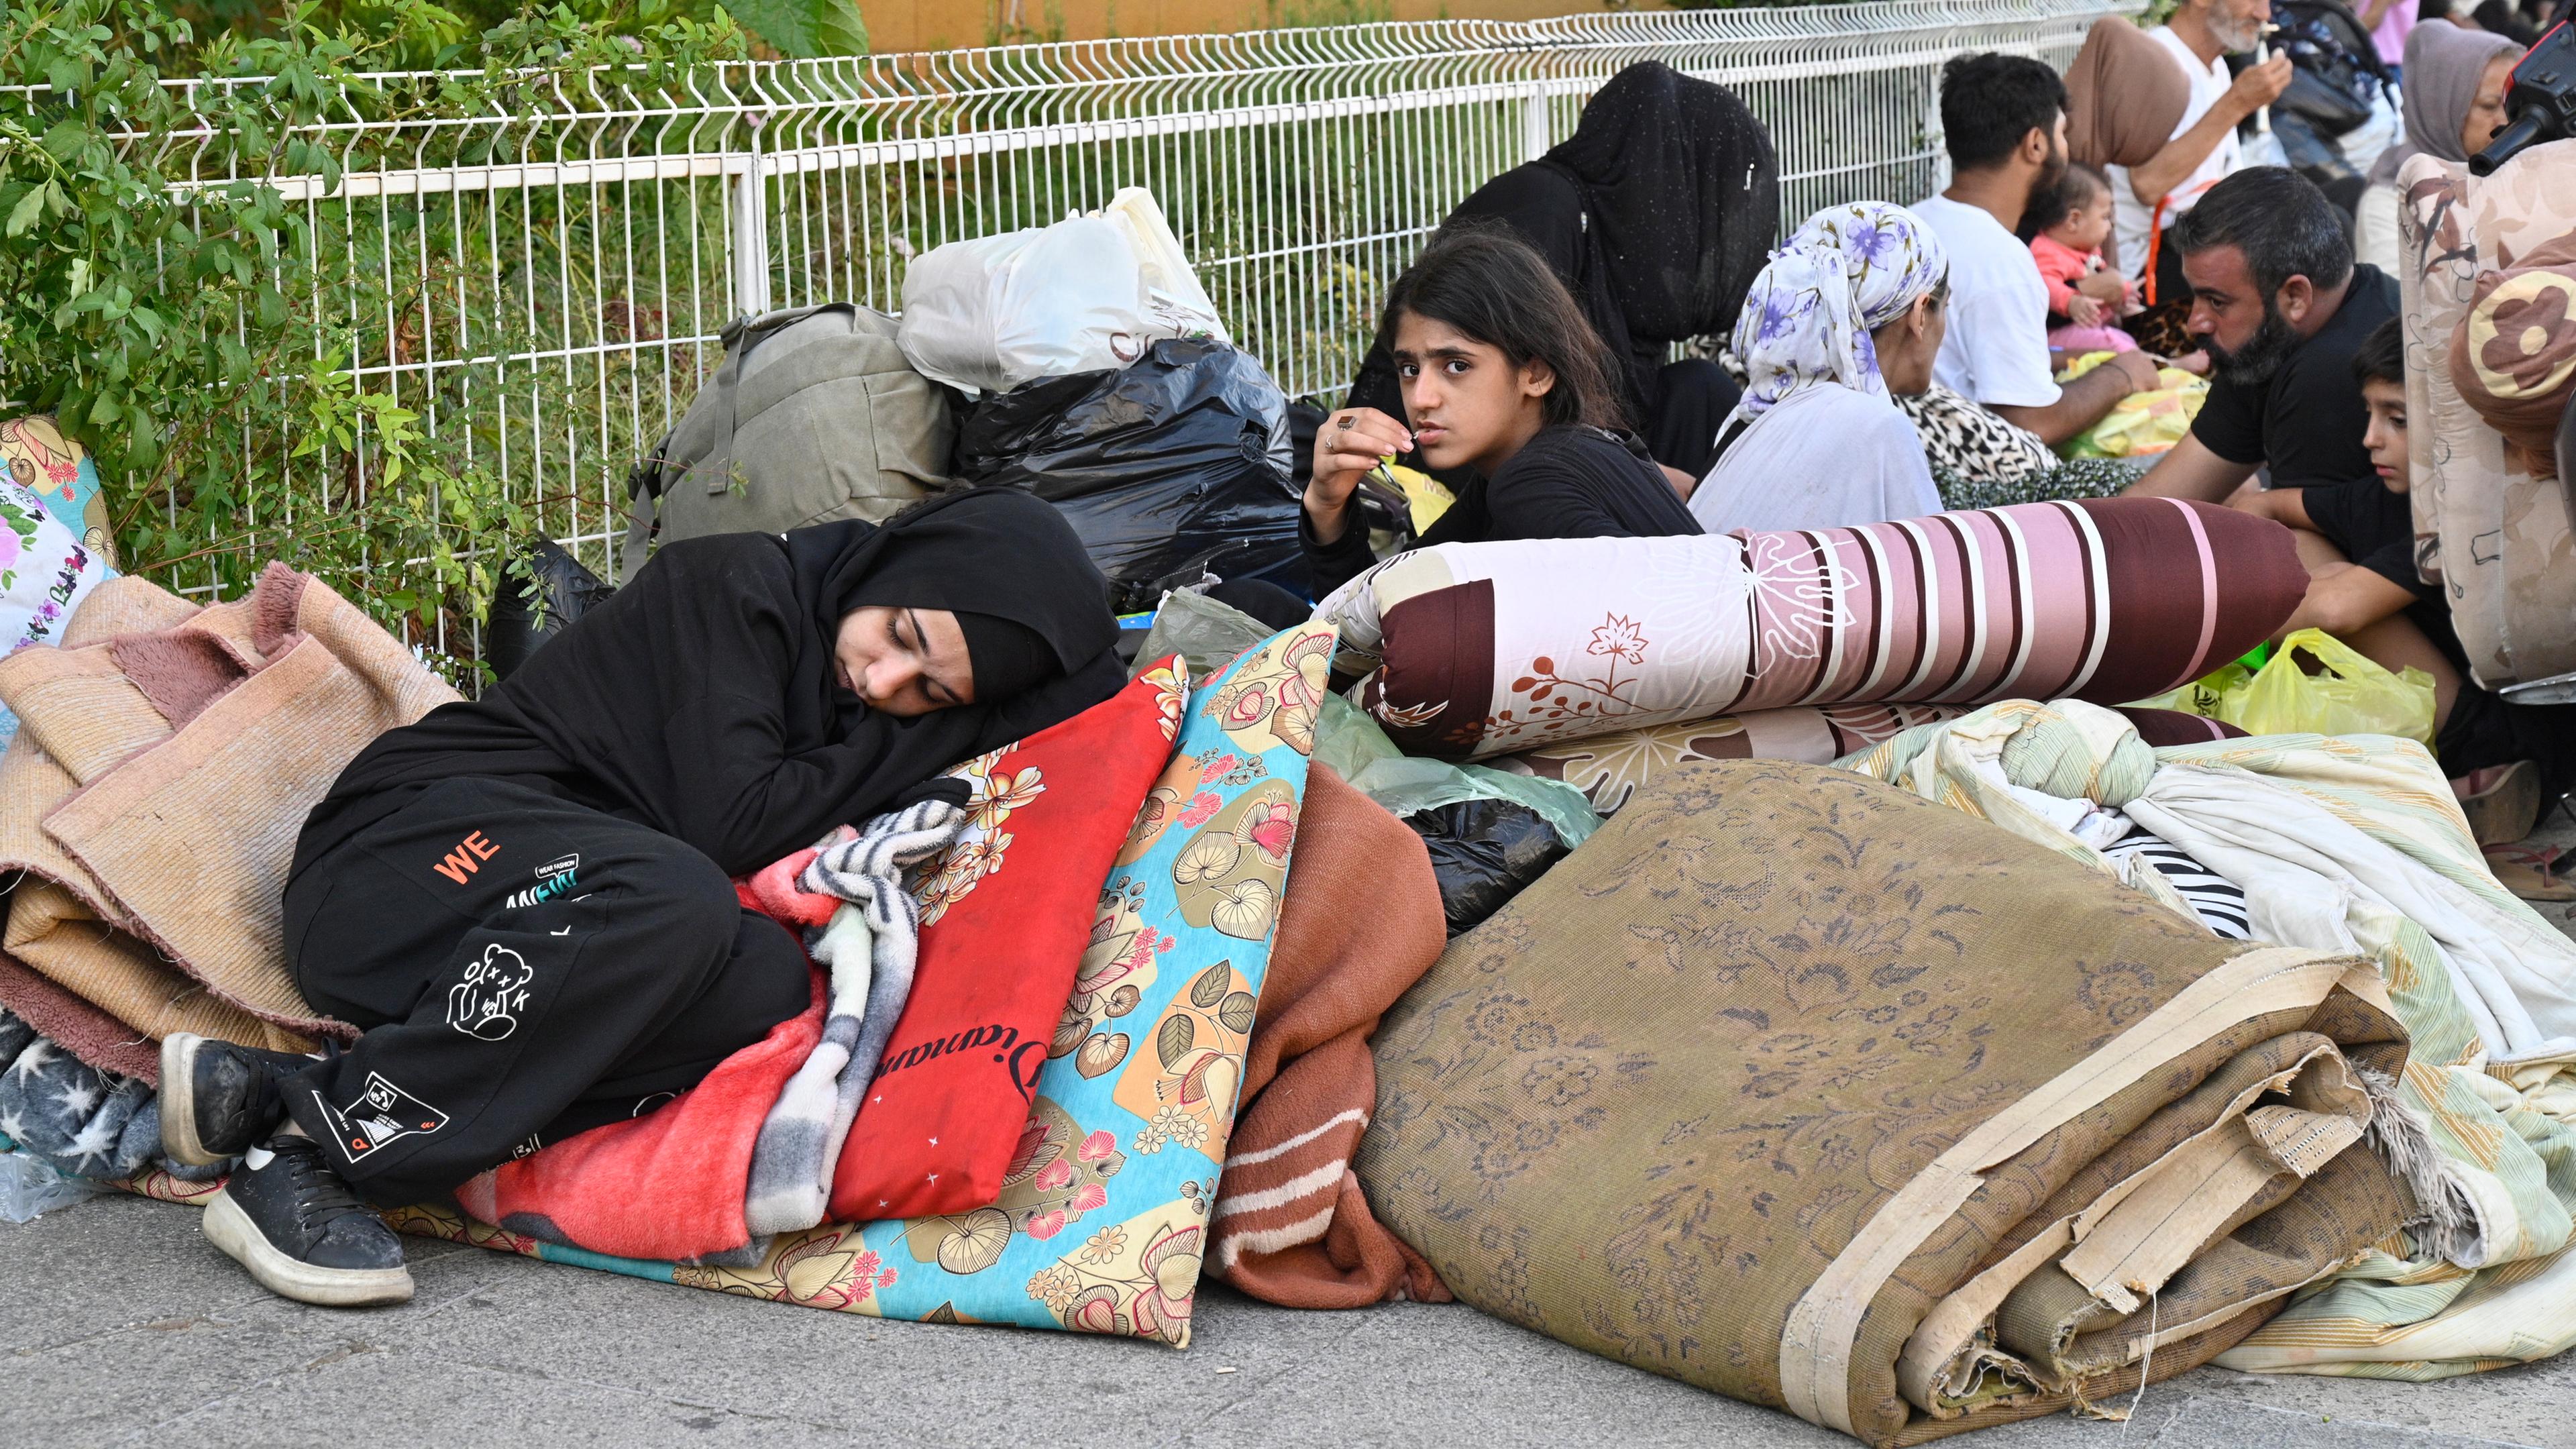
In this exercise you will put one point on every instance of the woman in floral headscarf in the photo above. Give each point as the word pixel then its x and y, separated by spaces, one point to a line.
pixel 1848 312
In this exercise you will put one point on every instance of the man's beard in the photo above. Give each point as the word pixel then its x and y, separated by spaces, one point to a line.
pixel 2237 35
pixel 2052 175
pixel 2253 364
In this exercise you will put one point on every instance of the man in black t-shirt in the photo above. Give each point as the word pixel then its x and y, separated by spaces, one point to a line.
pixel 2507 761
pixel 2281 308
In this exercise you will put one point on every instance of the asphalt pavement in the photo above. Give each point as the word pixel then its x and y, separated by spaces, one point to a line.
pixel 122 1325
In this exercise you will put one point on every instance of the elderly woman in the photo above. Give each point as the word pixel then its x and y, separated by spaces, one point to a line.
pixel 2455 84
pixel 1847 313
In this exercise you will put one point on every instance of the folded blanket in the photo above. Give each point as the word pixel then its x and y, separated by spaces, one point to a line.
pixel 1796 1087
pixel 73 1116
pixel 166 758
pixel 868 945
pixel 1361 924
pixel 2218 901
pixel 2479 1284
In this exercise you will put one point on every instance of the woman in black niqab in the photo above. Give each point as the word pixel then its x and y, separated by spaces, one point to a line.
pixel 523 901
pixel 1657 213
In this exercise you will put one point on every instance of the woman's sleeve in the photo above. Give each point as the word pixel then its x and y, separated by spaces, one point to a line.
pixel 1331 565
pixel 1560 492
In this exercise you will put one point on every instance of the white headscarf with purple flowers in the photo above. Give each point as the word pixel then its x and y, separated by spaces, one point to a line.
pixel 1809 314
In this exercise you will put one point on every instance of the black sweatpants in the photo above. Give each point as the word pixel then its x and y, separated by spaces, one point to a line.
pixel 524 969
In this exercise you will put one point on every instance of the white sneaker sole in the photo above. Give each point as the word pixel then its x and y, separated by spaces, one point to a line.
pixel 179 1105
pixel 231 1229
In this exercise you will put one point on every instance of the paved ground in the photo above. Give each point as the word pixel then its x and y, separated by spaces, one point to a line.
pixel 120 1324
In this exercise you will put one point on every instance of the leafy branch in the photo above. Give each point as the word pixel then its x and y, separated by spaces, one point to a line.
pixel 195 329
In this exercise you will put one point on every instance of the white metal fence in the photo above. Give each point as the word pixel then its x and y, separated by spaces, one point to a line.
pixel 554 273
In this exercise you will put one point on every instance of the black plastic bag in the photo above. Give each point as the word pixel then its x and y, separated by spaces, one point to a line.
pixel 2336 71
pixel 531 609
pixel 1174 467
pixel 1483 853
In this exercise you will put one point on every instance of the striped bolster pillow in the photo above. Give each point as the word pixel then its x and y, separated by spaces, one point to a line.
pixel 1467 650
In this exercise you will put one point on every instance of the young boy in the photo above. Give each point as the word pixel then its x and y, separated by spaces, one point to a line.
pixel 2507 761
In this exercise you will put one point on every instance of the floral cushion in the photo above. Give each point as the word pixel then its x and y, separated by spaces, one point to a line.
pixel 1005 919
pixel 58 471
pixel 1103 1216
pixel 1610 768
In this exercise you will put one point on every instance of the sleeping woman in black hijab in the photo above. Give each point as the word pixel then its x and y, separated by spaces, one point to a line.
pixel 524 900
pixel 1656 213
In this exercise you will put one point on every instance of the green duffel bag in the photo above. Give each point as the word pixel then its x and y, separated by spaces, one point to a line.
pixel 814 416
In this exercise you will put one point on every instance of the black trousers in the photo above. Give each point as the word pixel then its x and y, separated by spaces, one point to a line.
pixel 523 968
pixel 2485 729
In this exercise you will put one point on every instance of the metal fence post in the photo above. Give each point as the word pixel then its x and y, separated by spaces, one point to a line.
pixel 1535 131
pixel 750 240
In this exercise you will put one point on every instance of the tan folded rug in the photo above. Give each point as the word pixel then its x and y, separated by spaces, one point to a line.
pixel 1821 1096
pixel 165 760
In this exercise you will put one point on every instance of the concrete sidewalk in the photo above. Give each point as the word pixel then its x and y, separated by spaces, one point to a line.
pixel 123 1325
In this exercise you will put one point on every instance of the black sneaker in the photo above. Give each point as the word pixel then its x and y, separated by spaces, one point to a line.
pixel 288 1218
pixel 217 1098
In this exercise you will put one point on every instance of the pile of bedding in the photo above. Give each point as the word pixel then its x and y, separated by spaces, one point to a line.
pixel 2354 845
pixel 1796 1087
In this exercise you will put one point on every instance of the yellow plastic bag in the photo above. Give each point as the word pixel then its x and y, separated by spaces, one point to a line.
pixel 2351 695
pixel 1425 497
pixel 2206 696
pixel 2145 423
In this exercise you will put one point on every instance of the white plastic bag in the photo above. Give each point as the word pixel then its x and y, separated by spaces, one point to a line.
pixel 1088 293
pixel 30 1187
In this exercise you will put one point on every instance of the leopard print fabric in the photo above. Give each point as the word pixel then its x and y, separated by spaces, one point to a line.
pixel 1969 442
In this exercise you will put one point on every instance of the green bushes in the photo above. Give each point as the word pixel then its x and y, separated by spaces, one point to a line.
pixel 193 330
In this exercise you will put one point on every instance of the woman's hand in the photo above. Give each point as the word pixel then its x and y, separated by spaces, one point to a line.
pixel 1350 443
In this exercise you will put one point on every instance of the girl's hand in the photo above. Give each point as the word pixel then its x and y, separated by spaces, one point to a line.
pixel 2083 311
pixel 1347 446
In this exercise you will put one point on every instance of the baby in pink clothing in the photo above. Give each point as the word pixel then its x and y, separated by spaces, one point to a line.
pixel 2071 226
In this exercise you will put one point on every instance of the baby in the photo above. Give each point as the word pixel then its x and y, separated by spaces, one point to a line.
pixel 2066 229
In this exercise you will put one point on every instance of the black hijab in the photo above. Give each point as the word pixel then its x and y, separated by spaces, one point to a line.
pixel 1657 213
pixel 1680 192
pixel 1006 563
pixel 700 698
pixel 1683 188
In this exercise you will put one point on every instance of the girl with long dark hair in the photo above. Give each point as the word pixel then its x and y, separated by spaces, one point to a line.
pixel 1500 375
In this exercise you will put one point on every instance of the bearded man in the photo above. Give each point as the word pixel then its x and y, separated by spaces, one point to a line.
pixel 2280 307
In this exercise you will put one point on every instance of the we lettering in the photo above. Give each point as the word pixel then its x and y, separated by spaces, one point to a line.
pixel 467 857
